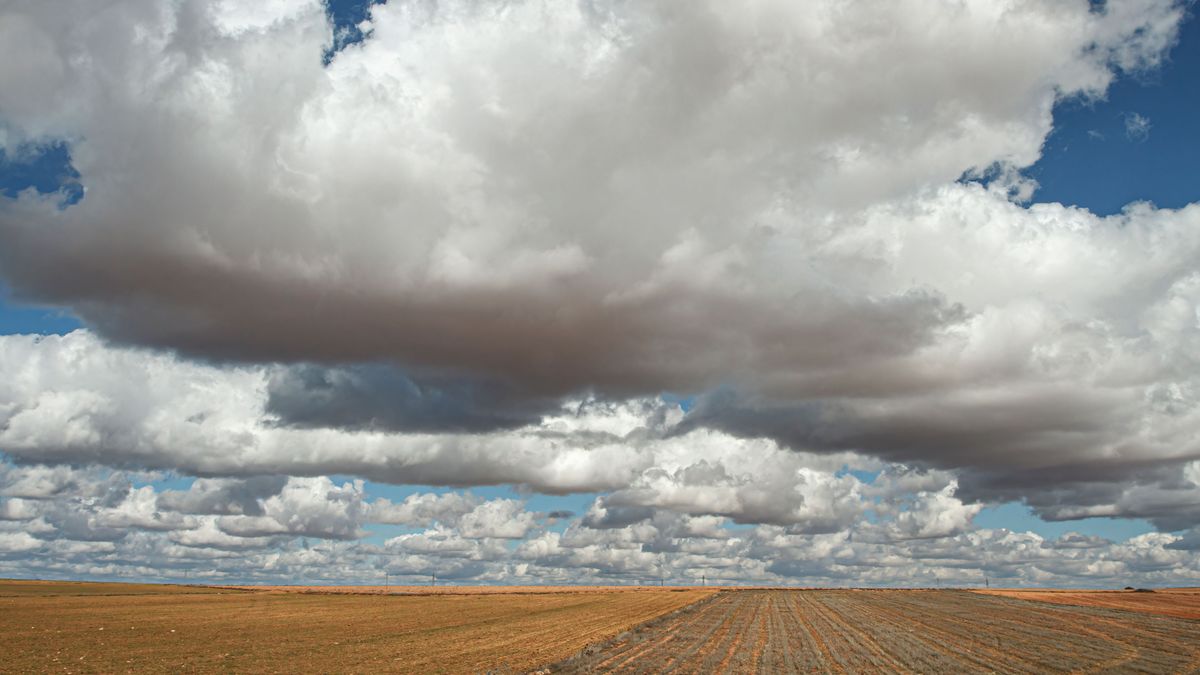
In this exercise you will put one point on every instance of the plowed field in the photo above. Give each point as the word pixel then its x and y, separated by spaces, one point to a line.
pixel 114 628
pixel 859 631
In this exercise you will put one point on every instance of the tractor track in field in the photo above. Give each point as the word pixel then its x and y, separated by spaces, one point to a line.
pixel 780 630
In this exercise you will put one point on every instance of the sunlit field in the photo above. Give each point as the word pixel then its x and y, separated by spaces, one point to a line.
pixel 88 627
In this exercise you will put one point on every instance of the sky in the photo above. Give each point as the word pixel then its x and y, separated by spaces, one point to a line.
pixel 600 292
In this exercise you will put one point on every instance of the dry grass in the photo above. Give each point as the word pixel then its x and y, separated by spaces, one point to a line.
pixel 104 628
pixel 1178 602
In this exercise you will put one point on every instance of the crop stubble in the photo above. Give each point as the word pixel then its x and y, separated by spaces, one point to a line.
pixel 1178 602
pixel 855 631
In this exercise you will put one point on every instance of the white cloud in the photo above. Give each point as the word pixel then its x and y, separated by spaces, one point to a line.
pixel 151 410
pixel 303 540
pixel 16 542
pixel 311 507
pixel 17 509
pixel 629 161
pixel 934 514
pixel 208 535
pixel 499 519
pixel 424 509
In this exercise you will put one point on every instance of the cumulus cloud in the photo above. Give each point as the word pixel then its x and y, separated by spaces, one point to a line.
pixel 76 400
pixel 497 519
pixel 17 509
pixel 307 534
pixel 934 515
pixel 567 195
pixel 209 536
pixel 218 496
pixel 17 542
pixel 424 509
pixel 311 507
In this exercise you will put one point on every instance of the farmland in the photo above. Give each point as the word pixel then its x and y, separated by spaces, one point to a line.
pixel 894 631
pixel 103 628
pixel 78 627
pixel 1183 603
pixel 451 590
pixel 23 588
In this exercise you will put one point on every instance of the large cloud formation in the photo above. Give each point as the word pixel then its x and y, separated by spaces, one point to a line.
pixel 675 501
pixel 306 533
pixel 474 249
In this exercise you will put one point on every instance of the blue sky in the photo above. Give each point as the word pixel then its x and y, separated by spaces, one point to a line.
pixel 1136 144
pixel 1101 159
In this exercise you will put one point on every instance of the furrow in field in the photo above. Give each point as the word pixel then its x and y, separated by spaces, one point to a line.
pixel 639 643
pixel 923 645
pixel 964 625
pixel 1058 637
pixel 774 655
pixel 1066 635
pixel 804 646
pixel 694 637
pixel 841 610
pixel 695 656
pixel 760 626
pixel 898 631
pixel 845 652
pixel 814 635
pixel 721 646
pixel 734 641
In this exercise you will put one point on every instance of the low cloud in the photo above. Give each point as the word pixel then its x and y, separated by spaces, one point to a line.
pixel 78 401
pixel 312 530
pixel 384 399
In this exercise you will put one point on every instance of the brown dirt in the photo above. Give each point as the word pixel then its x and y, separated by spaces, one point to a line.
pixel 858 631
pixel 1178 602
pixel 106 628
